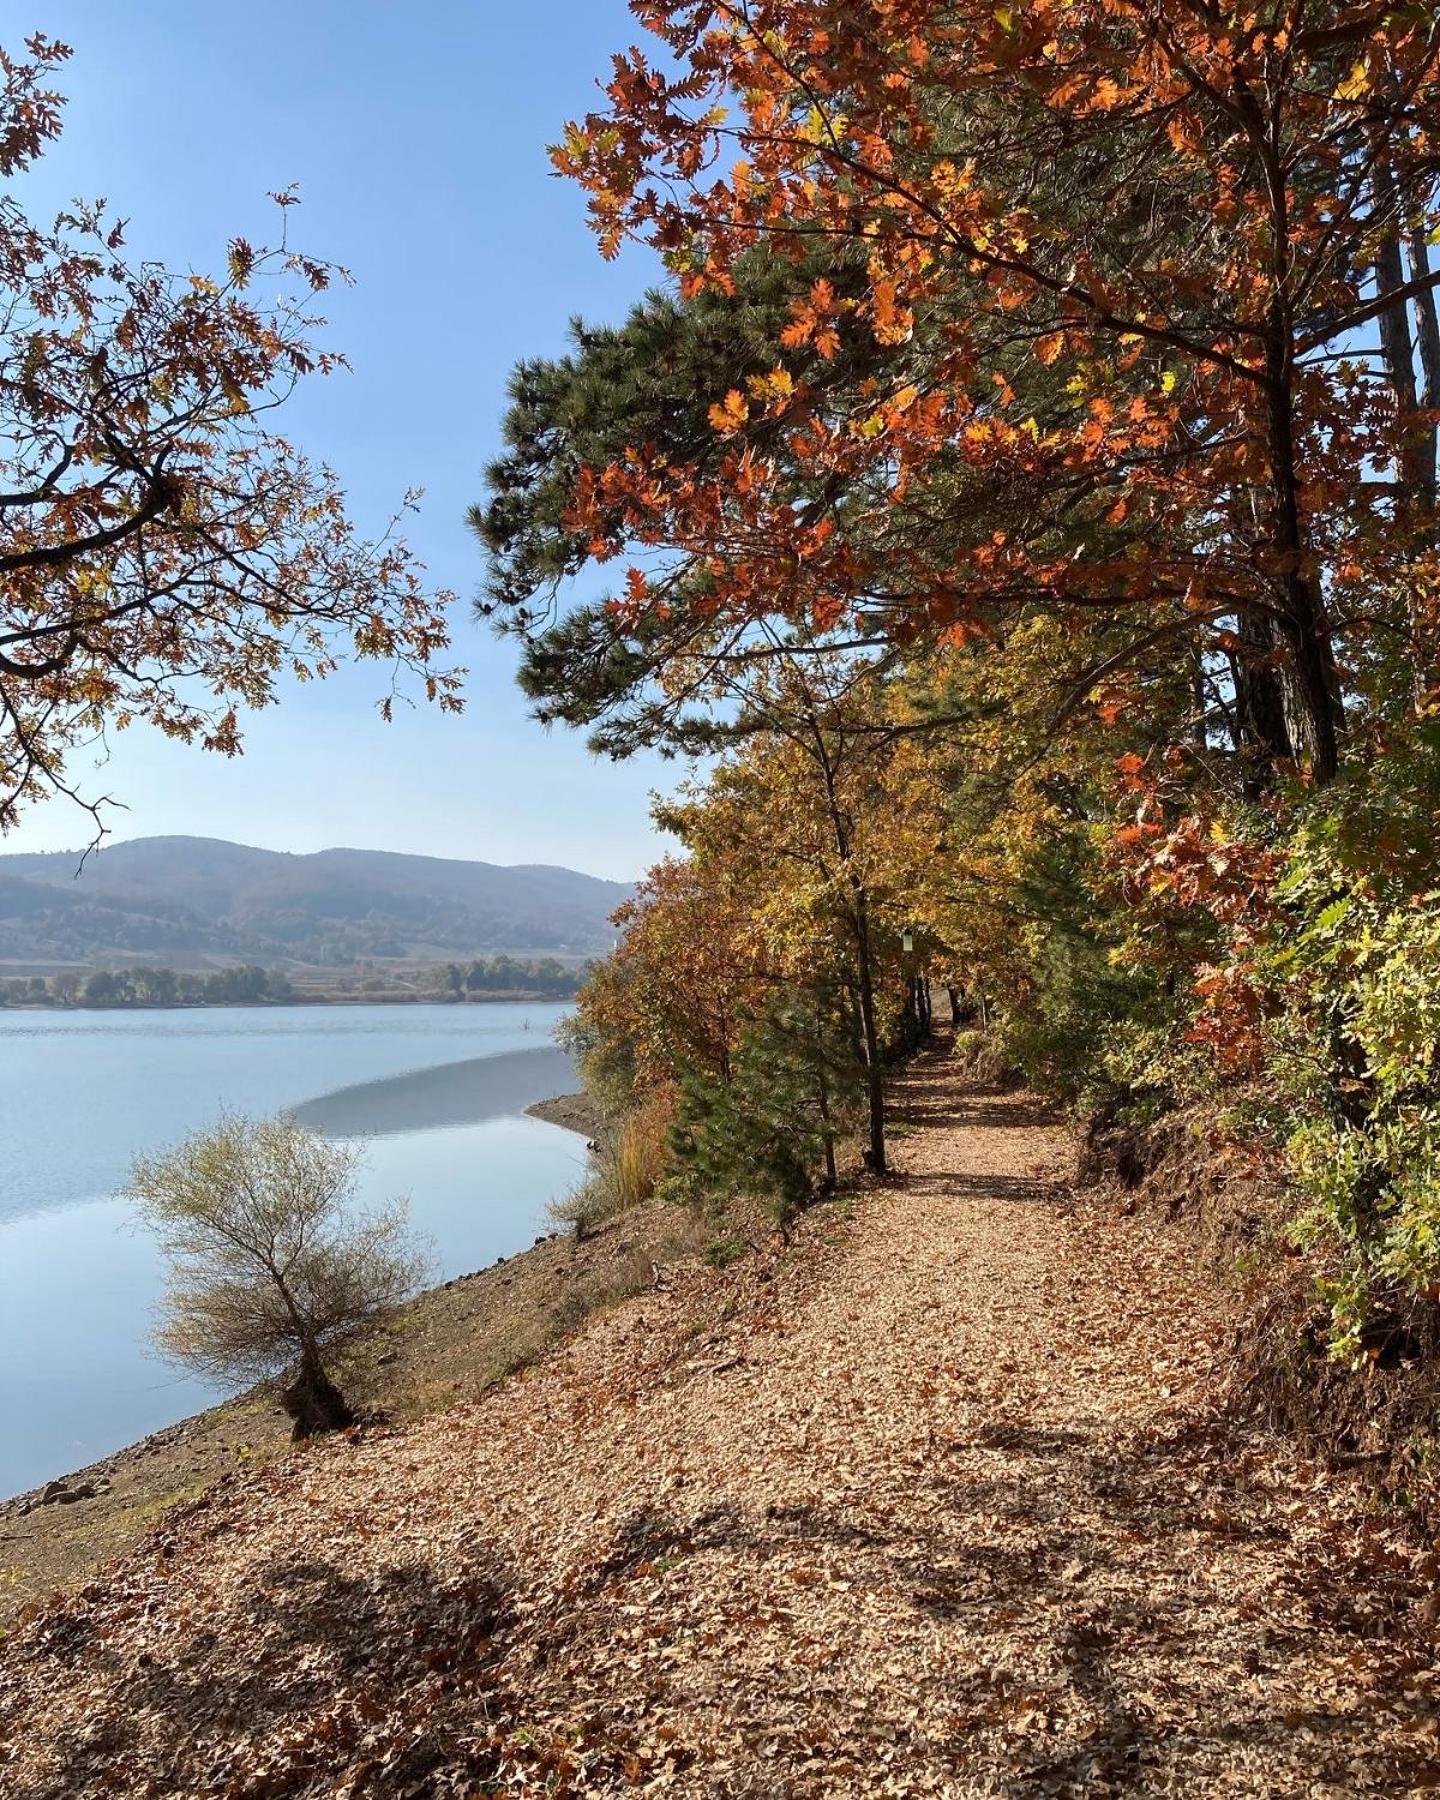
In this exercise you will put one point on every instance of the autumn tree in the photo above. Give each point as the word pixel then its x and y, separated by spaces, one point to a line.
pixel 270 1265
pixel 1068 373
pixel 672 994
pixel 767 961
pixel 165 555
pixel 1177 213
pixel 800 815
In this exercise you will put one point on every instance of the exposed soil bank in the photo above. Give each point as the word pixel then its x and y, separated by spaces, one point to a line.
pixel 576 1112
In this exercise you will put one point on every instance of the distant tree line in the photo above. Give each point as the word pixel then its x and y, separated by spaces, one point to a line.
pixel 250 985
pixel 506 975
pixel 142 986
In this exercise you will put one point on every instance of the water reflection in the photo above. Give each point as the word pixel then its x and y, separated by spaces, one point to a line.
pixel 459 1093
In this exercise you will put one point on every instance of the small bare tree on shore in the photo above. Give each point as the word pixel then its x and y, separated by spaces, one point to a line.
pixel 270 1264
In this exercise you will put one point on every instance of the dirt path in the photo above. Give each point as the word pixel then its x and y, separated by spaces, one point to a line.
pixel 923 1505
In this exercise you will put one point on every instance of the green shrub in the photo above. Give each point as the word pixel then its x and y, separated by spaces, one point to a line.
pixel 720 1252
pixel 1346 984
pixel 769 1132
pixel 1355 1042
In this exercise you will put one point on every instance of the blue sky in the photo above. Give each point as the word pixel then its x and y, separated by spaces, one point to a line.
pixel 417 135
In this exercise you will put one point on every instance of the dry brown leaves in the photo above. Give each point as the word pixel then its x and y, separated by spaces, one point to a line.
pixel 930 1503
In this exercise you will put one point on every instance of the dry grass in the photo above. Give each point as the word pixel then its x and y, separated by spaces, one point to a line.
pixel 628 1165
pixel 634 1156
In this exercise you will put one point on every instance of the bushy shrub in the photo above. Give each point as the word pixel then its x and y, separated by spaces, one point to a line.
pixel 1082 1001
pixel 1353 1090
pixel 980 1055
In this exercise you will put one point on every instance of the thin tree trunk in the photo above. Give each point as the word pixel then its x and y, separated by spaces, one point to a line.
pixel 1427 343
pixel 1311 680
pixel 1389 278
pixel 1312 687
pixel 826 1132
pixel 865 985
pixel 954 997
pixel 1427 336
pixel 870 1037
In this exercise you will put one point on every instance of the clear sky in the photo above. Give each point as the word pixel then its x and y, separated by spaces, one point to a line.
pixel 417 133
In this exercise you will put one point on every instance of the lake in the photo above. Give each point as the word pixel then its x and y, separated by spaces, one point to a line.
pixel 436 1093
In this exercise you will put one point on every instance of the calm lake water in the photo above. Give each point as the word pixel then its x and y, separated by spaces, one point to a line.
pixel 437 1093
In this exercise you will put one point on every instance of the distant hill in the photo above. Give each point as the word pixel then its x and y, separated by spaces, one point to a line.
pixel 195 901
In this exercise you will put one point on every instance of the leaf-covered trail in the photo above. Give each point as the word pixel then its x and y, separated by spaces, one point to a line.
pixel 923 1506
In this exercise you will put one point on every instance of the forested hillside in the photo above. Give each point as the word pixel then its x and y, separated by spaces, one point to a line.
pixel 179 899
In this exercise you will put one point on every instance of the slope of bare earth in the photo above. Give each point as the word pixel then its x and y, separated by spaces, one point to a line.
pixel 929 1502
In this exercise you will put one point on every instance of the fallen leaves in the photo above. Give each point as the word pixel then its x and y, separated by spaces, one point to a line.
pixel 872 1517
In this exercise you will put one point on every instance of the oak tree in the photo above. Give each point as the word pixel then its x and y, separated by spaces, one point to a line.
pixel 1189 217
pixel 166 555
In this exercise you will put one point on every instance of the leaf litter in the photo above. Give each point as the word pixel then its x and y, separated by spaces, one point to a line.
pixel 937 1499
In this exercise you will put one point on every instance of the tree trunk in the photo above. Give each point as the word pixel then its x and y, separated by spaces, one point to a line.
pixel 1262 738
pixel 1311 680
pixel 1312 689
pixel 860 926
pixel 826 1133
pixel 1389 279
pixel 870 1037
pixel 1427 338
pixel 1427 334
pixel 954 998
pixel 313 1401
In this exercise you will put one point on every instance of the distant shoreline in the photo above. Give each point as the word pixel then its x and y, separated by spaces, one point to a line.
pixel 525 997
